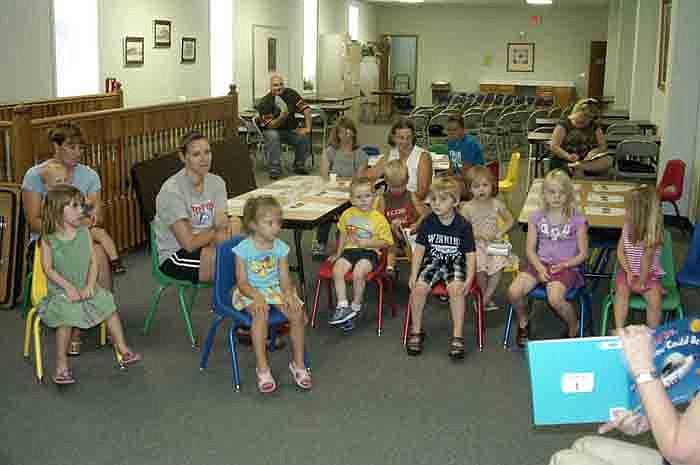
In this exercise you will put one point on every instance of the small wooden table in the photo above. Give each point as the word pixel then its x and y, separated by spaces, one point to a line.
pixel 307 201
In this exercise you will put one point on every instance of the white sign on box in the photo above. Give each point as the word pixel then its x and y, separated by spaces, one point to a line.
pixel 593 197
pixel 604 211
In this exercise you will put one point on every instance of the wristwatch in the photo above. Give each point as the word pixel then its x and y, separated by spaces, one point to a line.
pixel 645 377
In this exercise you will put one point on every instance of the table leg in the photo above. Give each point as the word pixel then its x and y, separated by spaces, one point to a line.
pixel 300 263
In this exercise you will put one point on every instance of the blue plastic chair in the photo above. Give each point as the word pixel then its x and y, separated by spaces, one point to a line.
pixel 579 294
pixel 224 282
pixel 689 275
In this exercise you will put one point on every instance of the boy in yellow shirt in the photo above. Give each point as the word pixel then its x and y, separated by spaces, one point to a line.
pixel 364 231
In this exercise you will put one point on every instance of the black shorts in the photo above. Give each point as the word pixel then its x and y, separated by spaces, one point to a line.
pixel 183 265
pixel 355 255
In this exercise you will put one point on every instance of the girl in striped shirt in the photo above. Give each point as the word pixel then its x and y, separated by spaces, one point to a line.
pixel 638 254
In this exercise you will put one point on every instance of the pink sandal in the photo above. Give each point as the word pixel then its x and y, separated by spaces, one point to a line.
pixel 266 383
pixel 301 376
pixel 64 376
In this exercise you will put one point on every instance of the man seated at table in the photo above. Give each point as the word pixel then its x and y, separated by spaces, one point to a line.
pixel 464 150
pixel 279 125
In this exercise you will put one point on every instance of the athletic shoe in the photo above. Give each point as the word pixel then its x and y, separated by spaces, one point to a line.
pixel 341 315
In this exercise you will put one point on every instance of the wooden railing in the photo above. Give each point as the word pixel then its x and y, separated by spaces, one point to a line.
pixel 65 105
pixel 116 140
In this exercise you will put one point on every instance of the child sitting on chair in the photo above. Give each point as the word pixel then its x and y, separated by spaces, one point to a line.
pixel 444 253
pixel 364 231
pixel 55 173
pixel 399 207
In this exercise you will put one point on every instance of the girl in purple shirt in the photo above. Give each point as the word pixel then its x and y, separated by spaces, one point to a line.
pixel 557 243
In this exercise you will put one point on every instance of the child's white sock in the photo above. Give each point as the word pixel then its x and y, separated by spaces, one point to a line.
pixel 342 303
pixel 356 307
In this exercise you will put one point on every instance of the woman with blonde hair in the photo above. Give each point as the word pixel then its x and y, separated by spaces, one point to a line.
pixel 578 142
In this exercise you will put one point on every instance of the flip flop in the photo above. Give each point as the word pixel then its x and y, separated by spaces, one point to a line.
pixel 266 383
pixel 74 348
pixel 301 377
pixel 63 377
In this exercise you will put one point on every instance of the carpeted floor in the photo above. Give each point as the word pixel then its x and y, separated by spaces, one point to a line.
pixel 371 404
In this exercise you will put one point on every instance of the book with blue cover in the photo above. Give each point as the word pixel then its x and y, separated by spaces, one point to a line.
pixel 586 380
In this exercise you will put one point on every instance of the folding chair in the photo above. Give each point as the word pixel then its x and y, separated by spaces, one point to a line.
pixel 670 189
pixel 224 282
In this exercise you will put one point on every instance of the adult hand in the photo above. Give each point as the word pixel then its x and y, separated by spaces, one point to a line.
pixel 638 347
pixel 301 132
pixel 573 157
pixel 629 423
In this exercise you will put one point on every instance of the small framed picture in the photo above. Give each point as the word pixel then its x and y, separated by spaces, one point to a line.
pixel 133 51
pixel 161 33
pixel 521 57
pixel 189 50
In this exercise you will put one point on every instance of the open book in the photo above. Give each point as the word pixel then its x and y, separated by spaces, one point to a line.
pixel 585 380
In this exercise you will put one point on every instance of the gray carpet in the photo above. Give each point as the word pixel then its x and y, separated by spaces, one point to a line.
pixel 371 404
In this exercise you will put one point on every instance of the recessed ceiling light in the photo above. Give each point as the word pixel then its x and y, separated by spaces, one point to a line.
pixel 410 1
pixel 538 2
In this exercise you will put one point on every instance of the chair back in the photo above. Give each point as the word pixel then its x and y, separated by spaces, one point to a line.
pixel 625 129
pixel 673 176
pixel 691 267
pixel 669 279
pixel 155 263
pixel 472 120
pixel 513 168
pixel 40 286
pixel 638 148
pixel 490 116
pixel 532 119
pixel 225 272
pixel 554 113
pixel 440 149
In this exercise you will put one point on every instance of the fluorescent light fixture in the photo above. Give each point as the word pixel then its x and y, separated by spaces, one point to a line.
pixel 411 1
pixel 538 2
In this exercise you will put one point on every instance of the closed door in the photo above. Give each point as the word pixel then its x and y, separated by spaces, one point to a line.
pixel 270 56
pixel 596 68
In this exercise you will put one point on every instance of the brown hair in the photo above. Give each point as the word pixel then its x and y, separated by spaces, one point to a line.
pixel 63 132
pixel 343 123
pixel 448 185
pixel 457 119
pixel 361 181
pixel 587 107
pixel 396 173
pixel 402 123
pixel 255 207
pixel 478 172
pixel 53 205
pixel 645 216
pixel 187 139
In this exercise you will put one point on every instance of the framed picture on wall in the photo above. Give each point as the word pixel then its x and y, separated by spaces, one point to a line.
pixel 189 50
pixel 161 33
pixel 520 57
pixel 133 51
pixel 664 36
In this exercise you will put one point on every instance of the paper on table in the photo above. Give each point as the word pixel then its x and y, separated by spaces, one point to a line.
pixel 308 207
pixel 593 197
pixel 329 193
pixel 604 211
pixel 612 187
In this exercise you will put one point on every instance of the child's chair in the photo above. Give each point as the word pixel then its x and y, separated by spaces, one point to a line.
pixel 32 326
pixel 164 281
pixel 509 184
pixel 579 294
pixel 440 290
pixel 377 276
pixel 671 300
pixel 224 282
pixel 670 189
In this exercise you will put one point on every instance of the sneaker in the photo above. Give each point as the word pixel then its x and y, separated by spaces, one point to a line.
pixel 444 298
pixel 341 315
pixel 347 326
pixel 318 250
pixel 300 169
pixel 491 307
pixel 117 266
pixel 523 336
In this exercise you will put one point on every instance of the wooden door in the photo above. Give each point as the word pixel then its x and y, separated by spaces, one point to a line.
pixel 596 68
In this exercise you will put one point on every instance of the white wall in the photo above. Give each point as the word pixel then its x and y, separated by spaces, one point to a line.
pixel 162 78
pixel 27 32
pixel 453 41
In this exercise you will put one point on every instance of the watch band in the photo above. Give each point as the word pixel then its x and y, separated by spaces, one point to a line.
pixel 645 377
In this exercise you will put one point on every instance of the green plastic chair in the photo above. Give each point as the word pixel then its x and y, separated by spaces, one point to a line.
pixel 164 281
pixel 671 301
pixel 440 149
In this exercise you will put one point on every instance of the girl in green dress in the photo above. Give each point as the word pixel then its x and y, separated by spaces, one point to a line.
pixel 73 298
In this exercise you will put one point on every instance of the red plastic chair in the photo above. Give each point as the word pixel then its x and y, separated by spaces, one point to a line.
pixel 441 290
pixel 377 276
pixel 673 177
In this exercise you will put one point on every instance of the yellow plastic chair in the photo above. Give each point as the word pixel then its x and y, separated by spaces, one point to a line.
pixel 508 185
pixel 32 325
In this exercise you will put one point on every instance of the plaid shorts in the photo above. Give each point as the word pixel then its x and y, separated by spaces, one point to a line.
pixel 434 270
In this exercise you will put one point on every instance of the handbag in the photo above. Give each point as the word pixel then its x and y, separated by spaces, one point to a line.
pixel 500 248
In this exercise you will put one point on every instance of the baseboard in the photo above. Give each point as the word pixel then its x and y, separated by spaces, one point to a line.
pixel 681 222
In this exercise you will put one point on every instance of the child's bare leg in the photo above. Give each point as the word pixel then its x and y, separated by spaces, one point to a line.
pixel 75 334
pixel 621 306
pixel 517 295
pixel 101 237
pixel 492 284
pixel 418 296
pixel 340 267
pixel 391 259
pixel 114 325
pixel 556 295
pixel 456 292
pixel 258 335
pixel 296 336
pixel 359 280
pixel 653 298
pixel 483 279
pixel 62 341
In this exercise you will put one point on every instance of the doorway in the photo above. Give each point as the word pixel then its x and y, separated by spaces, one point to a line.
pixel 270 56
pixel 403 68
pixel 596 68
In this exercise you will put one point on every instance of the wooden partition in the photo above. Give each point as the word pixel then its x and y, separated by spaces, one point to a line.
pixel 116 139
pixel 66 105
